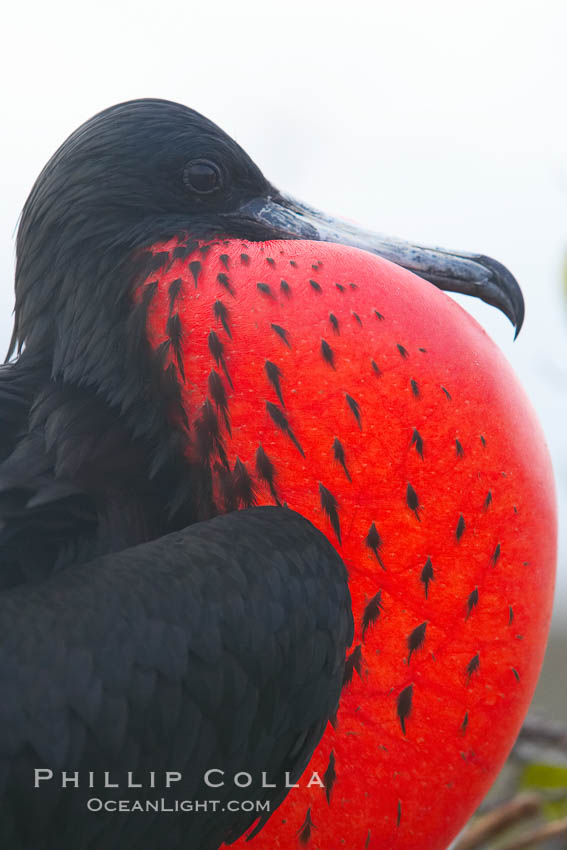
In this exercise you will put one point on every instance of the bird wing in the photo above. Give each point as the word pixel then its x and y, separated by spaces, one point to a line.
pixel 221 646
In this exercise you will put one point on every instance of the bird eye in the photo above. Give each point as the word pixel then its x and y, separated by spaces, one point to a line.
pixel 202 176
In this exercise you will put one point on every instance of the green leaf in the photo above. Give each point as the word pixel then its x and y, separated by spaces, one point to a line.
pixel 542 777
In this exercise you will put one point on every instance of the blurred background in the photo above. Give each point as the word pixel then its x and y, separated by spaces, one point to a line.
pixel 440 122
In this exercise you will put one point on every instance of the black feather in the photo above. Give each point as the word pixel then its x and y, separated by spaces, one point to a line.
pixel 195 269
pixel 274 374
pixel 472 602
pixel 282 333
pixel 427 575
pixel 372 612
pixel 355 408
pixel 353 662
pixel 327 352
pixel 224 282
pixel 221 314
pixel 280 421
pixel 339 455
pixel 404 705
pixel 218 395
pixel 331 508
pixel 216 348
pixel 473 666
pixel 374 542
pixel 173 290
pixel 266 472
pixel 304 832
pixel 175 333
pixel 329 777
pixel 415 639
pixel 412 500
pixel 417 440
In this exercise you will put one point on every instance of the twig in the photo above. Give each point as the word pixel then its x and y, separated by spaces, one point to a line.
pixel 488 826
pixel 541 738
pixel 540 731
pixel 555 829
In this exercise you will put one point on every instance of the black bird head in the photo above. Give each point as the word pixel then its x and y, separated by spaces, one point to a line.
pixel 140 161
pixel 134 173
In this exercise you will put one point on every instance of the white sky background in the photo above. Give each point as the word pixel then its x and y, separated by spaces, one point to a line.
pixel 441 122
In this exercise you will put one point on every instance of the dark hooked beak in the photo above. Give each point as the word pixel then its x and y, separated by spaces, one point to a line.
pixel 470 274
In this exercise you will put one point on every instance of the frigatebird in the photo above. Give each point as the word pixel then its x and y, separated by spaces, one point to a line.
pixel 146 627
